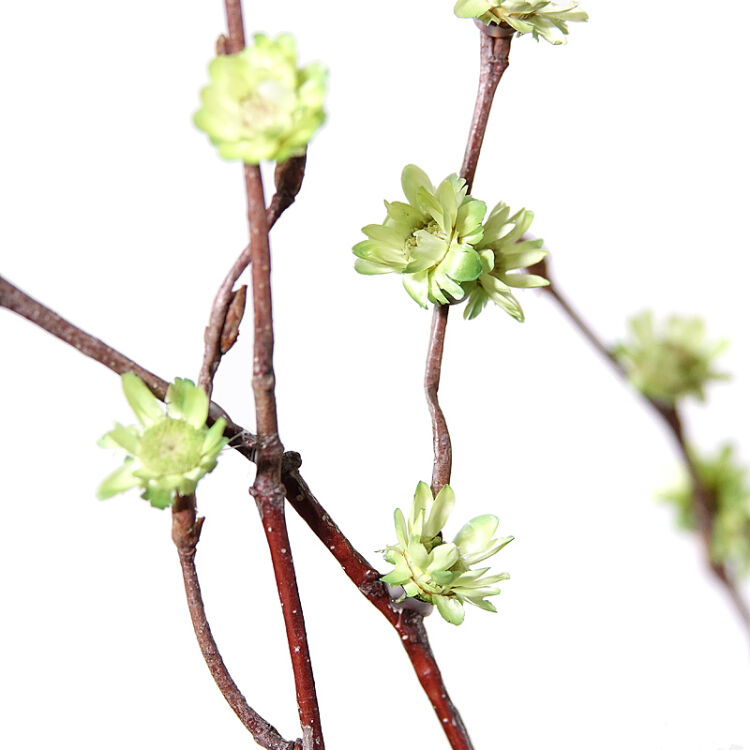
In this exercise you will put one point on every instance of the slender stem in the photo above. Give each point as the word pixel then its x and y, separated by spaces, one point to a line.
pixel 441 439
pixel 186 530
pixel 494 51
pixel 703 502
pixel 355 566
pixel 267 488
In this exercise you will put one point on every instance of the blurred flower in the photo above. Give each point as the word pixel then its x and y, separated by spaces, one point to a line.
pixel 440 572
pixel 501 250
pixel 540 18
pixel 430 239
pixel 260 105
pixel 670 363
pixel 729 492
pixel 170 451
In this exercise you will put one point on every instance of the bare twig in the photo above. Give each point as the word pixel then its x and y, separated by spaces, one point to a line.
pixel 494 51
pixel 441 439
pixel 703 501
pixel 186 530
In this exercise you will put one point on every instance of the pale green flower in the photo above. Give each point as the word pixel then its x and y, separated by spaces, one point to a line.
pixel 259 105
pixel 540 18
pixel 169 452
pixel 502 250
pixel 430 240
pixel 440 572
pixel 671 362
pixel 729 492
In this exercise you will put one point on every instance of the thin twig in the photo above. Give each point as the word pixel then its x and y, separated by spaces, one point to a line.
pixel 703 502
pixel 441 439
pixel 355 566
pixel 494 51
pixel 288 178
pixel 186 530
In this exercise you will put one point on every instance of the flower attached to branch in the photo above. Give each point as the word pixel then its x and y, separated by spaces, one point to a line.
pixel 440 572
pixel 444 253
pixel 671 362
pixel 259 105
pixel 169 452
pixel 431 239
pixel 503 250
pixel 729 495
pixel 540 18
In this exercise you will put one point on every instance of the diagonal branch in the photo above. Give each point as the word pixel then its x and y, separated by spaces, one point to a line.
pixel 367 579
pixel 703 503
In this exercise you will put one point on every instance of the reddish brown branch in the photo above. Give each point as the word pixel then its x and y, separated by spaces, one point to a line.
pixel 267 488
pixel 441 439
pixel 355 566
pixel 408 624
pixel 186 530
pixel 703 501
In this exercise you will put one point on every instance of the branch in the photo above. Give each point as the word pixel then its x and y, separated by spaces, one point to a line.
pixel 703 502
pixel 186 531
pixel 267 488
pixel 367 579
pixel 441 439
pixel 494 51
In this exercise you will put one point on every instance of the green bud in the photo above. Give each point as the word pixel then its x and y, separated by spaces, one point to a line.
pixel 729 492
pixel 670 362
pixel 259 105
pixel 439 572
pixel 540 18
pixel 170 450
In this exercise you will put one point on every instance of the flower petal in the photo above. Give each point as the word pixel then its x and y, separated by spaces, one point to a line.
pixel 144 404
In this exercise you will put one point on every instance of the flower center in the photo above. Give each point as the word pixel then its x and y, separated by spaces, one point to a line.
pixel 171 446
pixel 267 107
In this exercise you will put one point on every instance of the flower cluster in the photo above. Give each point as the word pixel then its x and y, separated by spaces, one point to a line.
pixel 439 572
pixel 170 451
pixel 438 242
pixel 541 18
pixel 727 484
pixel 260 105
pixel 669 363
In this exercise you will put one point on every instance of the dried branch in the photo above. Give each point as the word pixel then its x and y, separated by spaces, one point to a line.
pixel 267 488
pixel 186 530
pixel 703 502
pixel 494 51
pixel 356 567
pixel 441 439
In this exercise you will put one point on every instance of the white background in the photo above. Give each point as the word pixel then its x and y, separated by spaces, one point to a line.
pixel 630 144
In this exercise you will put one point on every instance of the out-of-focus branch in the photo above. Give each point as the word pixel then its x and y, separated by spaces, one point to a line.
pixel 703 501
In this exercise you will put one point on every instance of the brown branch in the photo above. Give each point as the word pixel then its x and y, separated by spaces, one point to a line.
pixel 494 51
pixel 441 439
pixel 12 298
pixel 267 488
pixel 355 566
pixel 186 531
pixel 408 624
pixel 703 502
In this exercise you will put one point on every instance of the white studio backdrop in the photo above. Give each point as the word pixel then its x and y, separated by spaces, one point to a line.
pixel 630 144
